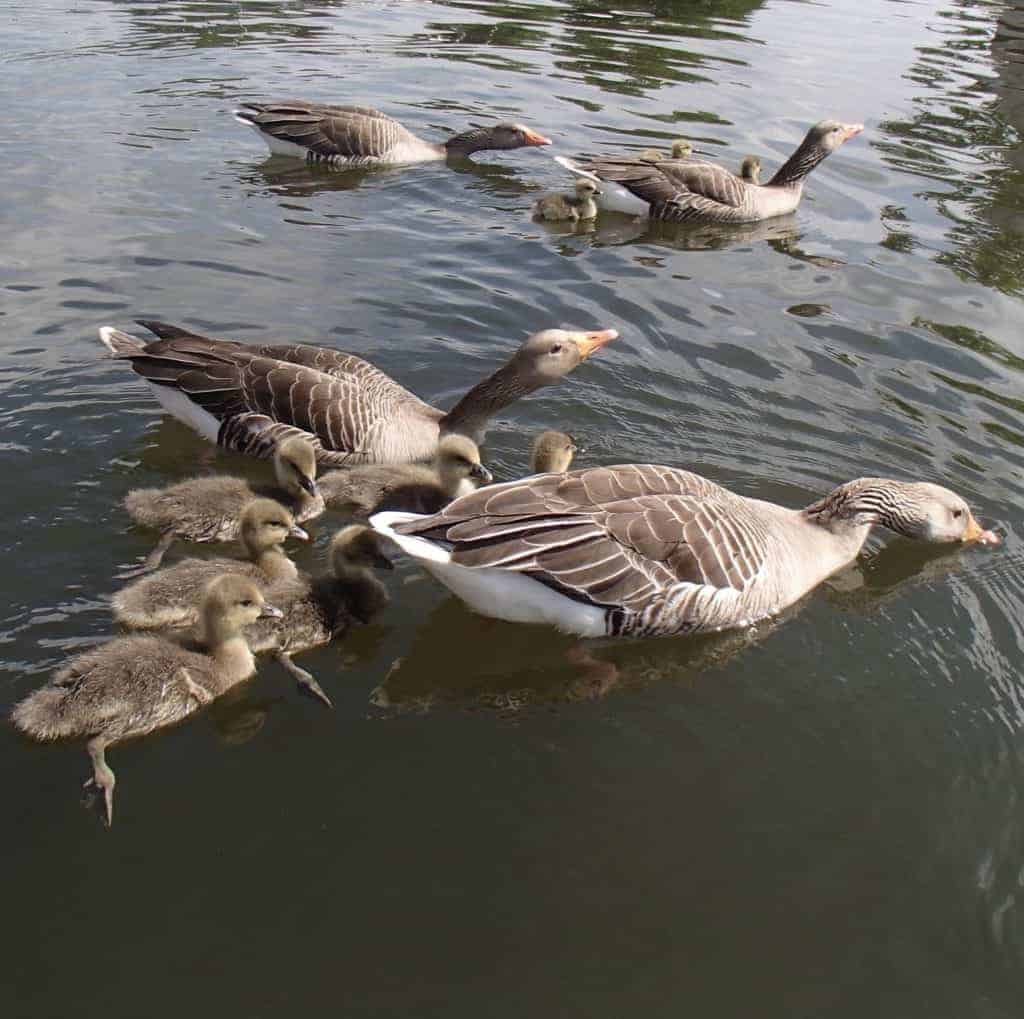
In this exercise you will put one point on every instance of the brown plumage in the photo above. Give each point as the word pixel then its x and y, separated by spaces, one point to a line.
pixel 132 685
pixel 360 491
pixel 171 597
pixel 247 398
pixel 209 508
pixel 362 136
pixel 316 611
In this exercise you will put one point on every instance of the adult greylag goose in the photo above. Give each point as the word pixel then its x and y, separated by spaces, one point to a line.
pixel 692 191
pixel 210 508
pixel 750 170
pixel 552 453
pixel 248 398
pixel 132 685
pixel 569 208
pixel 681 149
pixel 363 136
pixel 639 550
pixel 172 596
pixel 317 611
pixel 419 488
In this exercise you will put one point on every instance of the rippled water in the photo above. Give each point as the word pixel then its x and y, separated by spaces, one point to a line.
pixel 822 818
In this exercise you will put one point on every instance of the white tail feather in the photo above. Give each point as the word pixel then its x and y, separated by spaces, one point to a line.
pixel 418 548
pixel 575 170
pixel 118 342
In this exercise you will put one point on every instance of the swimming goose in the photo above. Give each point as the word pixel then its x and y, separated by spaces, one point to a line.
pixel 249 398
pixel 681 149
pixel 571 208
pixel 750 170
pixel 132 685
pixel 552 453
pixel 641 550
pixel 171 597
pixel 320 610
pixel 363 136
pixel 692 191
pixel 419 488
pixel 210 509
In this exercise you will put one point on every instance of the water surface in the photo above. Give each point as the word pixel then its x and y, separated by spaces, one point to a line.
pixel 821 818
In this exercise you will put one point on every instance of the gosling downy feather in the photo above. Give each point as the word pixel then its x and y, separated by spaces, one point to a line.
pixel 132 685
pixel 209 508
pixel 171 597
pixel 360 491
pixel 571 208
pixel 552 453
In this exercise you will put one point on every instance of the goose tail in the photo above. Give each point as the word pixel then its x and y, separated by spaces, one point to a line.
pixel 576 170
pixel 419 548
pixel 120 344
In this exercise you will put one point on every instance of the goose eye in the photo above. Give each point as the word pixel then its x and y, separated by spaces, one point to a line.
pixel 556 349
pixel 957 514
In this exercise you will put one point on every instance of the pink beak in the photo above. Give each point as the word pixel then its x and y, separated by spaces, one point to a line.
pixel 851 131
pixel 532 138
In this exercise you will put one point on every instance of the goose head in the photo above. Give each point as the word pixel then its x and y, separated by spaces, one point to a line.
pixel 750 169
pixel 548 356
pixel 458 466
pixel 230 603
pixel 295 467
pixel 681 149
pixel 354 553
pixel 264 525
pixel 552 453
pixel 498 136
pixel 828 135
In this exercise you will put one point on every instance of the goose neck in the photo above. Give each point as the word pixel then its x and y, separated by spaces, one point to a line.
pixel 471 415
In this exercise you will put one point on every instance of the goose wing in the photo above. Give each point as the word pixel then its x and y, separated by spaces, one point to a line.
pixel 258 397
pixel 676 189
pixel 352 132
pixel 619 537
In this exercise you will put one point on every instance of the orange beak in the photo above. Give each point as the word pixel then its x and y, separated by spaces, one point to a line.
pixel 975 532
pixel 851 131
pixel 532 138
pixel 587 343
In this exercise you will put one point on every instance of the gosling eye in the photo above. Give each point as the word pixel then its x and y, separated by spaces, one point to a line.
pixel 247 604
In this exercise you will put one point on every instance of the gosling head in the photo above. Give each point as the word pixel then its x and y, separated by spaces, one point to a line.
pixel 232 602
pixel 750 169
pixel 295 467
pixel 548 356
pixel 552 453
pixel 586 188
pixel 681 149
pixel 265 524
pixel 458 466
pixel 355 551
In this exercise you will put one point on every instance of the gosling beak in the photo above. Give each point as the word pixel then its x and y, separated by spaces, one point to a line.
pixel 269 611
pixel 297 532
pixel 308 485
pixel 532 138
pixel 574 445
pixel 975 532
pixel 381 562
pixel 587 343
pixel 851 131
pixel 481 474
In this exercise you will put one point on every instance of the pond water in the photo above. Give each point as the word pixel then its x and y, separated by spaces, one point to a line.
pixel 821 818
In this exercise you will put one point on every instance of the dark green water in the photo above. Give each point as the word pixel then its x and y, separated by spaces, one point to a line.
pixel 819 819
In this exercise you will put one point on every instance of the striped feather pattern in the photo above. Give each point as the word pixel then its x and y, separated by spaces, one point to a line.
pixel 663 550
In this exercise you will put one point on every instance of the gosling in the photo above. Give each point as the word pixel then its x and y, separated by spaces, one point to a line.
pixel 750 170
pixel 207 509
pixel 316 611
pixel 681 149
pixel 552 453
pixel 569 208
pixel 417 488
pixel 132 685
pixel 171 597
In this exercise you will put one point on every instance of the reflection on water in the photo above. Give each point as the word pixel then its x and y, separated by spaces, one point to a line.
pixel 819 817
